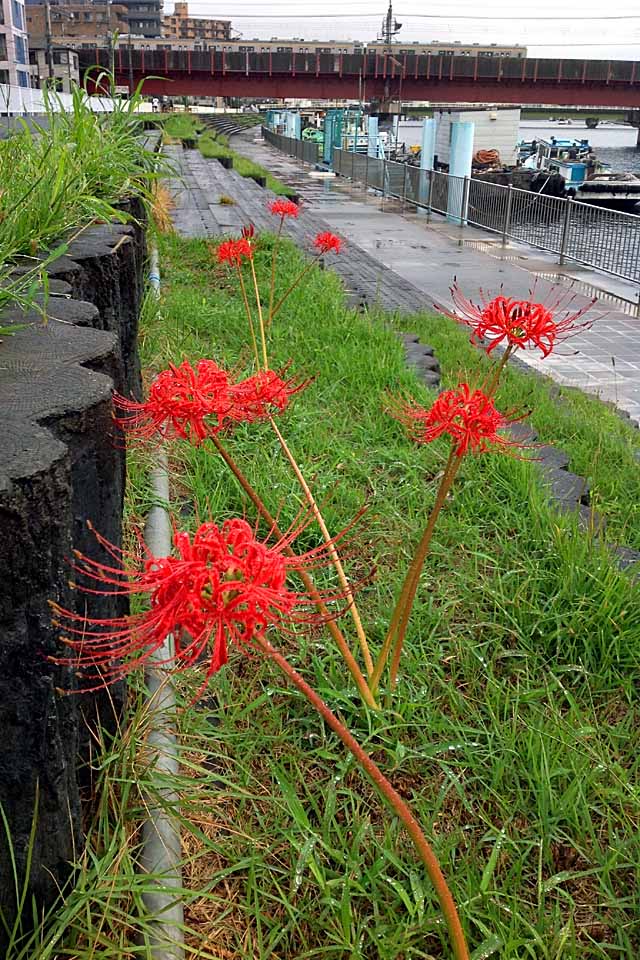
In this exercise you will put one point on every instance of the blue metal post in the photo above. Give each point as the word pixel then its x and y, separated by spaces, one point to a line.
pixel 372 135
pixel 327 154
pixel 460 157
pixel 427 152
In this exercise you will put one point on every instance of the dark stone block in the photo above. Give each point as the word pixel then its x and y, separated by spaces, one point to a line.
pixel 60 465
pixel 566 489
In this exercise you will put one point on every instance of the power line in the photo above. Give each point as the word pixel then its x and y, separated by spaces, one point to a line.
pixel 413 16
pixel 474 16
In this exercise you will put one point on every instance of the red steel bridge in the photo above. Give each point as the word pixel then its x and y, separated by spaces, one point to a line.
pixel 369 76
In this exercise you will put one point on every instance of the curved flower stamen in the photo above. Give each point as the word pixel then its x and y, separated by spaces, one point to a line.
pixel 197 403
pixel 222 588
pixel 468 416
pixel 522 324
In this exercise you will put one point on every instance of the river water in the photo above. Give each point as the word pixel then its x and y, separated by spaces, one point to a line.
pixel 613 143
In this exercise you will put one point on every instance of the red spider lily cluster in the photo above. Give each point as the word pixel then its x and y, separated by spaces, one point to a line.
pixel 222 587
pixel 284 208
pixel 468 416
pixel 197 403
pixel 234 252
pixel 521 324
pixel 326 242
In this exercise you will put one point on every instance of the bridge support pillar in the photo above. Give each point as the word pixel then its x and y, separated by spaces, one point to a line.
pixel 460 157
pixel 427 153
pixel 372 136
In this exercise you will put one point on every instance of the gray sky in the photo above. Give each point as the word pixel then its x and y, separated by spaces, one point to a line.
pixel 571 37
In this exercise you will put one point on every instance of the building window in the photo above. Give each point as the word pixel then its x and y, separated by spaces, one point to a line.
pixel 23 79
pixel 4 76
pixel 21 50
pixel 3 46
pixel 18 19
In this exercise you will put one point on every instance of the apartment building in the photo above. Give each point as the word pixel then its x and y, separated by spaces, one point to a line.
pixel 79 19
pixel 145 17
pixel 180 26
pixel 14 44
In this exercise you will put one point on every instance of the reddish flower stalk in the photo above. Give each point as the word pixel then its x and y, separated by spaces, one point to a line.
pixel 522 324
pixel 333 552
pixel 306 578
pixel 472 421
pixel 196 403
pixel 390 795
pixel 324 242
pixel 223 587
pixel 234 253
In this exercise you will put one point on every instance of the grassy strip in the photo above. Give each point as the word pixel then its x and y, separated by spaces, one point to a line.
pixel 74 169
pixel 513 733
pixel 215 149
pixel 513 730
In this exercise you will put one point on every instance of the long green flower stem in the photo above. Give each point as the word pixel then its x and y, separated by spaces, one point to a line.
pixel 332 626
pixel 392 797
pixel 260 317
pixel 293 286
pixel 335 558
pixel 402 611
pixel 248 312
pixel 493 377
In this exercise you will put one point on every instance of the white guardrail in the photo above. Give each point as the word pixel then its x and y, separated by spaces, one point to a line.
pixel 25 101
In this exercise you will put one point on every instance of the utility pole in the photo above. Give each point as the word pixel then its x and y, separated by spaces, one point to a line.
pixel 47 39
pixel 390 27
pixel 130 63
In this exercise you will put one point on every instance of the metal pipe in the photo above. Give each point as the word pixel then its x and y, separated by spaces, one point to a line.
pixel 161 854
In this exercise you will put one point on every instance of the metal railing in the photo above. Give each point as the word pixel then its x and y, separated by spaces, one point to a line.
pixel 607 240
pixel 305 150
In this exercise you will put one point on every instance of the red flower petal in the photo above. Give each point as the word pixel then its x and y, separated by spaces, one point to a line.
pixel 325 242
pixel 522 324
pixel 234 252
pixel 194 404
pixel 468 416
pixel 223 587
pixel 284 208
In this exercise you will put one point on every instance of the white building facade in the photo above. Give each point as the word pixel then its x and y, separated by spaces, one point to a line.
pixel 14 44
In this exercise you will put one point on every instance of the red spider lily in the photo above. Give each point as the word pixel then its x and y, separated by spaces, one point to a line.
pixel 522 323
pixel 234 252
pixel 325 242
pixel 468 416
pixel 284 208
pixel 252 397
pixel 248 232
pixel 223 587
pixel 183 402
pixel 194 404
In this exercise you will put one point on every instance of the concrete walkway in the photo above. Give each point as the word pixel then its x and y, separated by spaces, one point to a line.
pixel 404 263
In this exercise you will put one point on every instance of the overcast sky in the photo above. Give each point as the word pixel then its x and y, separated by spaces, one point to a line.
pixel 574 36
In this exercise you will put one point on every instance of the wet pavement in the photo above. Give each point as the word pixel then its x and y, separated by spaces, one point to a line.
pixel 402 262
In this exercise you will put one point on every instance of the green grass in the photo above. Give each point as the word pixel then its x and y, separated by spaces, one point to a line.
pixel 214 148
pixel 513 731
pixel 77 167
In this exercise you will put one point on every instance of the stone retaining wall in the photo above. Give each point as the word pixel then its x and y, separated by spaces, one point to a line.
pixel 60 464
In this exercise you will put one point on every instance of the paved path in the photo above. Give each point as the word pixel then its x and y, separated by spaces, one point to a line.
pixel 403 263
